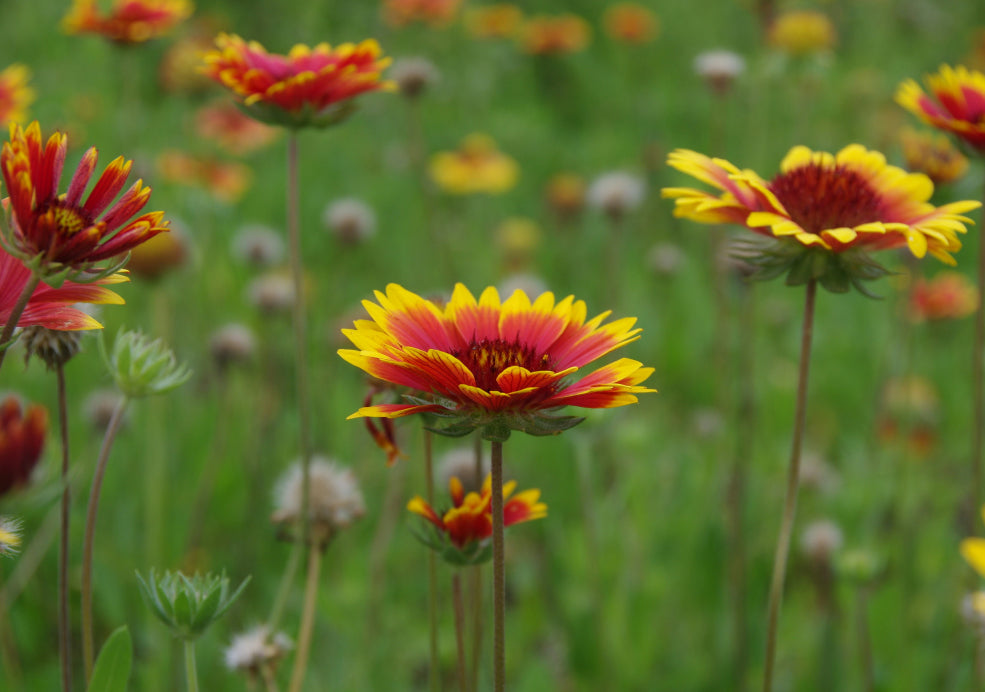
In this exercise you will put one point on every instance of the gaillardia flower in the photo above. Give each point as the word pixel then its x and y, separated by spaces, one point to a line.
pixel 60 233
pixel 476 166
pixel 433 12
pixel 22 433
pixel 630 22
pixel 49 307
pixel 465 529
pixel 932 154
pixel 554 34
pixel 308 86
pixel 129 21
pixel 802 32
pixel 948 296
pixel 824 211
pixel 15 94
pixel 501 20
pixel 493 366
pixel 958 103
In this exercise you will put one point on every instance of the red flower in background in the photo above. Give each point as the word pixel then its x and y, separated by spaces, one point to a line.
pixel 22 434
pixel 957 105
pixel 129 21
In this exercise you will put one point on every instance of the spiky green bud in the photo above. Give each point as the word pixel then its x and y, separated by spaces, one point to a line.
pixel 142 367
pixel 188 605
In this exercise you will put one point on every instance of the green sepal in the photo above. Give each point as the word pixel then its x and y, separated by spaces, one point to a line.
pixel 306 116
pixel 475 553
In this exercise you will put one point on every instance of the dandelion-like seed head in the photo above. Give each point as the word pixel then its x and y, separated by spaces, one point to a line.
pixel 232 344
pixel 334 498
pixel 414 76
pixel 259 246
pixel 820 541
pixel 272 293
pixel 10 535
pixel 719 69
pixel 256 650
pixel 616 193
pixel 665 259
pixel 351 220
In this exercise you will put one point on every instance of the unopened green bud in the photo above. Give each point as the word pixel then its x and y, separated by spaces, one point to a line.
pixel 188 605
pixel 142 367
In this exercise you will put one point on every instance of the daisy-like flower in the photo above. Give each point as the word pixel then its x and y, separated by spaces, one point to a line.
pixel 630 22
pixel 501 20
pixel 306 87
pixel 60 233
pixel 948 296
pixel 554 35
pixel 493 366
pixel 464 530
pixel 15 94
pixel 824 211
pixel 477 166
pixel 129 21
pixel 932 154
pixel 973 551
pixel 52 307
pixel 956 102
pixel 226 181
pixel 433 12
pixel 22 434
pixel 10 536
pixel 227 126
pixel 802 32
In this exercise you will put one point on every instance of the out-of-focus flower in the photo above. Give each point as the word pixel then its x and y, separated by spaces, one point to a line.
pixel 160 255
pixel 235 132
pixel 957 106
pixel 554 35
pixel 258 245
pixel 232 343
pixel 52 307
pixel 617 193
pixel 414 76
pixel 500 20
pixel 719 69
pixel 436 13
pixel 463 531
pixel 22 434
pixel 802 32
pixel 817 474
pixel 272 293
pixel 15 94
pixel 973 551
pixel 823 212
pixel 224 180
pixel 188 605
pixel 820 541
pixel 565 195
pixel 180 71
pixel 665 258
pixel 59 232
pixel 518 238
pixel 909 412
pixel 948 296
pixel 257 652
pixel 144 367
pixel 630 22
pixel 492 366
pixel 10 536
pixel 976 56
pixel 933 155
pixel 334 498
pixel 306 87
pixel 477 166
pixel 351 220
pixel 128 21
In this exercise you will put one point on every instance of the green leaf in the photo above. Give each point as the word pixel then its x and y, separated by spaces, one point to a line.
pixel 112 671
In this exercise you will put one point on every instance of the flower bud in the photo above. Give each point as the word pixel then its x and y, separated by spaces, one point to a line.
pixel 141 367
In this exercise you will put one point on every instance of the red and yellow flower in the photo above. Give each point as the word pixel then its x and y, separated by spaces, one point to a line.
pixel 52 307
pixel 957 103
pixel 836 204
pixel 948 296
pixel 932 154
pixel 15 94
pixel 494 21
pixel 467 525
pixel 630 22
pixel 60 232
pixel 22 434
pixel 226 181
pixel 496 366
pixel 227 126
pixel 477 166
pixel 308 86
pixel 129 21
pixel 555 34
pixel 433 12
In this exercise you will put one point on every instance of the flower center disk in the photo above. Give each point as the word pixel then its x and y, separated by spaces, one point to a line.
pixel 819 198
pixel 486 359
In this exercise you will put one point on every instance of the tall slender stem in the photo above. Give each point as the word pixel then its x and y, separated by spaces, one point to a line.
pixel 434 674
pixel 90 534
pixel 476 586
pixel 978 391
pixel 793 477
pixel 864 640
pixel 191 669
pixel 459 606
pixel 307 617
pixel 15 314
pixel 499 572
pixel 64 622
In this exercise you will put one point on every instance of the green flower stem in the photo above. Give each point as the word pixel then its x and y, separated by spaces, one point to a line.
pixel 499 572
pixel 12 674
pixel 476 587
pixel 793 477
pixel 191 671
pixel 978 392
pixel 459 606
pixel 88 650
pixel 434 673
pixel 307 617
pixel 864 639
pixel 64 617
pixel 15 314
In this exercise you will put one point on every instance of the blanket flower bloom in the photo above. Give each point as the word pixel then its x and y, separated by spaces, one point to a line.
pixel 555 34
pixel 22 433
pixel 436 13
pixel 490 365
pixel 306 87
pixel 973 551
pixel 477 166
pixel 631 23
pixel 49 307
pixel 933 154
pixel 15 94
pixel 824 212
pixel 948 296
pixel 129 21
pixel 58 234
pixel 957 104
pixel 465 529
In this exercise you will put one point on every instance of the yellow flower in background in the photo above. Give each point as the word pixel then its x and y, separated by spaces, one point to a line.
pixel 565 194
pixel 477 166
pixel 494 21
pixel 958 105
pixel 631 23
pixel 932 154
pixel 129 21
pixel 554 34
pixel 802 33
pixel 15 94
pixel 973 551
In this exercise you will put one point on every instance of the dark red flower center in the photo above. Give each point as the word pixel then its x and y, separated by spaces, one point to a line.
pixel 820 198
pixel 66 220
pixel 488 358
